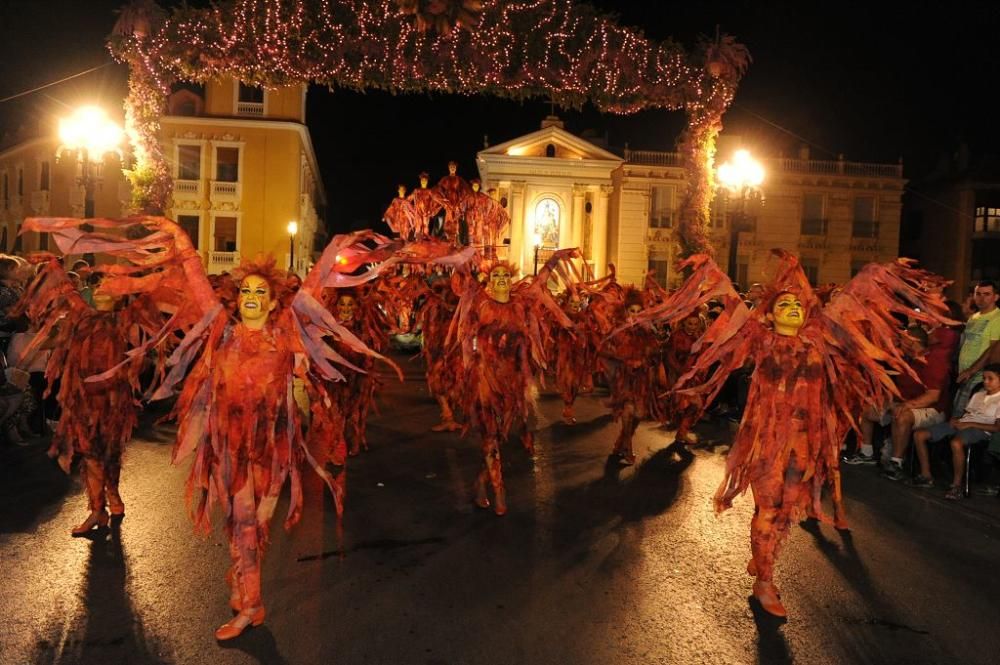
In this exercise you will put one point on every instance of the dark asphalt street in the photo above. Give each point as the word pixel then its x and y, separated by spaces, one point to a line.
pixel 592 565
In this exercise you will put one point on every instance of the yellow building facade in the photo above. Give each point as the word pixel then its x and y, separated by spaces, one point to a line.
pixel 563 191
pixel 34 183
pixel 243 166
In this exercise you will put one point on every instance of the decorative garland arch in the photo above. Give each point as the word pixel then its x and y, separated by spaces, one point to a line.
pixel 559 49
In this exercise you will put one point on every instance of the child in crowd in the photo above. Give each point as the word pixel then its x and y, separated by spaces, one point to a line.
pixel 980 420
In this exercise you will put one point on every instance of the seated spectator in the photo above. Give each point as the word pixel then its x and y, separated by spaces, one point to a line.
pixel 980 420
pixel 925 403
pixel 922 404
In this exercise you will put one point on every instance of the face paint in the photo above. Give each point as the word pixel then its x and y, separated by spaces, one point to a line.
pixel 633 309
pixel 692 326
pixel 255 301
pixel 346 305
pixel 500 283
pixel 787 314
pixel 104 302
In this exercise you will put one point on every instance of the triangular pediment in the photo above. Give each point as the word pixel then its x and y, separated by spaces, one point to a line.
pixel 565 144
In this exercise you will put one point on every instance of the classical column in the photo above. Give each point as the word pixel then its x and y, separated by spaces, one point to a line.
pixel 517 231
pixel 576 227
pixel 600 241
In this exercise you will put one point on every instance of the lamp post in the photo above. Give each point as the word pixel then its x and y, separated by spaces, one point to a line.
pixel 91 135
pixel 741 176
pixel 537 238
pixel 293 228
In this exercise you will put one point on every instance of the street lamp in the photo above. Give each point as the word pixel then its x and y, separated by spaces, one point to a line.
pixel 293 228
pixel 537 238
pixel 91 135
pixel 742 176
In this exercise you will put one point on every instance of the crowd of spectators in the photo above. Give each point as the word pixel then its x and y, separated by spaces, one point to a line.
pixel 956 401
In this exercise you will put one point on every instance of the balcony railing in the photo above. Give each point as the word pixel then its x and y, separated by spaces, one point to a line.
pixel 652 157
pixel 255 109
pixel 839 167
pixel 222 262
pixel 188 189
pixel 225 191
pixel 864 245
pixel 817 166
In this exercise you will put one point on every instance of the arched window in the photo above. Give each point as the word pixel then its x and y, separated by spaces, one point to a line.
pixel 547 212
pixel 550 150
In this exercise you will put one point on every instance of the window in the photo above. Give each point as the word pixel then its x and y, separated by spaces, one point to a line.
pixel 251 93
pixel 18 238
pixel 813 219
pixel 661 207
pixel 550 150
pixel 987 220
pixel 192 224
pixel 660 268
pixel 227 164
pixel 743 270
pixel 43 176
pixel 865 223
pixel 225 234
pixel 20 182
pixel 717 212
pixel 250 100
pixel 811 268
pixel 547 222
pixel 189 162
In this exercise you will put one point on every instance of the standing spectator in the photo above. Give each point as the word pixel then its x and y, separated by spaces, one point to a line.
pixel 755 294
pixel 978 422
pixel 10 292
pixel 982 331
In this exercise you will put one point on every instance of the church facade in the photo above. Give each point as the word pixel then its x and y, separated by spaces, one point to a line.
pixel 564 191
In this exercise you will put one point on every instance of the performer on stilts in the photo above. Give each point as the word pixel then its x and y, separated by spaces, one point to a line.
pixel 816 368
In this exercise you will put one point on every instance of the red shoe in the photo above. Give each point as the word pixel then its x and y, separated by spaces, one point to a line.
pixel 97 520
pixel 235 626
pixel 500 501
pixel 446 426
pixel 568 417
pixel 626 458
pixel 767 595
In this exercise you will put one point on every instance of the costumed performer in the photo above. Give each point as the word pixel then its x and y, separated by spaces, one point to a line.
pixel 97 417
pixel 815 368
pixel 500 331
pixel 237 413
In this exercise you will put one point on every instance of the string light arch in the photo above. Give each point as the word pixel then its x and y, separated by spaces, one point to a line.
pixel 515 49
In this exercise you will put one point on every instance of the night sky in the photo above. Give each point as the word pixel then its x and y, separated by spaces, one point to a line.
pixel 873 82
